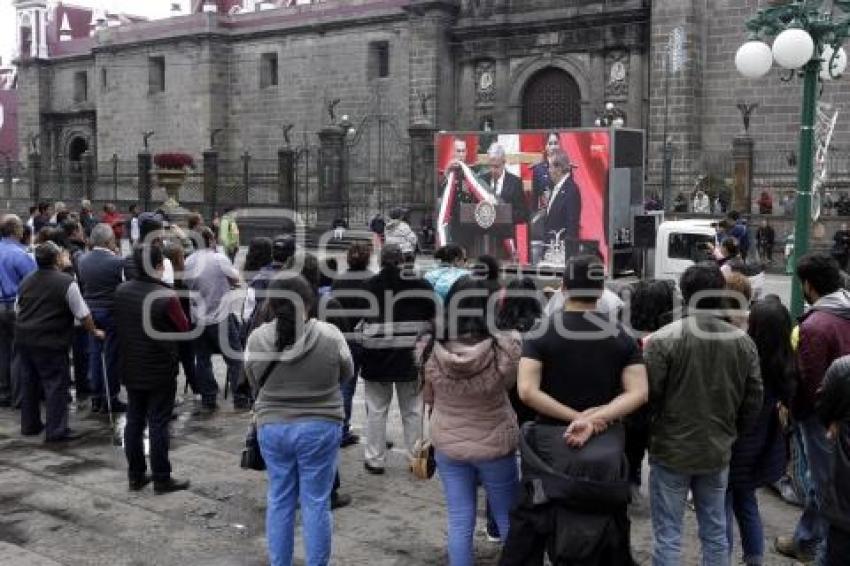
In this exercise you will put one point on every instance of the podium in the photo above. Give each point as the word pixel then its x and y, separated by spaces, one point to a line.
pixel 485 241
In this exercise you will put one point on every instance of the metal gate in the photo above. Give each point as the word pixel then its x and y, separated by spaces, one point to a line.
pixel 377 165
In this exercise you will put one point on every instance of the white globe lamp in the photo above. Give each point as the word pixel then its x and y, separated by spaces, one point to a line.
pixel 839 64
pixel 754 59
pixel 793 48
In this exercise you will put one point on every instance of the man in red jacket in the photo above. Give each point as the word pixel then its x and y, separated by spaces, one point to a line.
pixel 824 337
pixel 114 218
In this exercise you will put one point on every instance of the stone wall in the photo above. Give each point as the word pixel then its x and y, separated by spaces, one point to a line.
pixel 179 115
pixel 703 117
pixel 313 70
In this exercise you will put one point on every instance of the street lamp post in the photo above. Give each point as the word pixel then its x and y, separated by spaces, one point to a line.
pixel 807 43
pixel 610 116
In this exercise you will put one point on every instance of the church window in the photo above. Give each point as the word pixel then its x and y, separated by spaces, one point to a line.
pixel 379 59
pixel 268 70
pixel 81 86
pixel 156 74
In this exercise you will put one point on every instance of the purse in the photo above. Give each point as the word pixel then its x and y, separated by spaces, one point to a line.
pixel 423 463
pixel 252 456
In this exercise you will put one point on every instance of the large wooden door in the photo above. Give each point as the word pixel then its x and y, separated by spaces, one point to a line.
pixel 551 99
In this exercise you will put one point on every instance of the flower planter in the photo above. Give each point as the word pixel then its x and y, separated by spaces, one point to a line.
pixel 171 180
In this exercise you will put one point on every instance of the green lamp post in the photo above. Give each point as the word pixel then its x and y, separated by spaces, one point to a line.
pixel 807 43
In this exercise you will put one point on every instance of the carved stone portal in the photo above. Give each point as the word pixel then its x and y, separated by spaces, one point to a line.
pixel 617 77
pixel 485 82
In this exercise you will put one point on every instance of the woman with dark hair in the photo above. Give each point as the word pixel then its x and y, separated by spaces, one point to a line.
pixel 259 255
pixel 452 258
pixel 295 364
pixel 345 289
pixel 466 370
pixel 521 306
pixel 651 307
pixel 489 270
pixel 540 180
pixel 758 455
pixel 730 254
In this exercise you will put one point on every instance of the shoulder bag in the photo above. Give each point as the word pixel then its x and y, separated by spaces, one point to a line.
pixel 423 463
pixel 252 457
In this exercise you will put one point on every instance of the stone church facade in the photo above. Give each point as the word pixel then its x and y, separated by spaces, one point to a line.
pixel 396 68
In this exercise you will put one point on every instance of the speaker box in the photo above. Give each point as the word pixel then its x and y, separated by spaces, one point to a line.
pixel 644 234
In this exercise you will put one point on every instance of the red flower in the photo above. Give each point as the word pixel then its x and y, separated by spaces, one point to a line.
pixel 173 160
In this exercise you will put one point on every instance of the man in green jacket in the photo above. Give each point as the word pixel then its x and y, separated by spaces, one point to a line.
pixel 228 234
pixel 704 388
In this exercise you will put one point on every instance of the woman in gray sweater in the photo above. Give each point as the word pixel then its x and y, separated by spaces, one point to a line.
pixel 299 416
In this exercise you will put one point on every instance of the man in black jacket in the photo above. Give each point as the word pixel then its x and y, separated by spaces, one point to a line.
pixel 48 302
pixel 563 211
pixel 100 271
pixel 404 302
pixel 149 363
pixel 833 409
pixel 75 243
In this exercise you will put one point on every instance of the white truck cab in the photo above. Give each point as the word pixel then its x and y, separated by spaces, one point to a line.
pixel 680 244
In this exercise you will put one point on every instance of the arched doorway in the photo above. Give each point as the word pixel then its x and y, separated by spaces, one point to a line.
pixel 551 99
pixel 77 148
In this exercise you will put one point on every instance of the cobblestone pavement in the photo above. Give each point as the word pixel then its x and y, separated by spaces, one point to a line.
pixel 70 505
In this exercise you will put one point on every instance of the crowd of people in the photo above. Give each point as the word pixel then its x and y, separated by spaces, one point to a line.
pixel 551 403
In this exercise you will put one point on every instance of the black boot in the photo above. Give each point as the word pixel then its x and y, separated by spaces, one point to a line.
pixel 139 484
pixel 169 485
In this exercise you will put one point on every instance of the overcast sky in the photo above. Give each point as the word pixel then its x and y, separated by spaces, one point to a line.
pixel 149 8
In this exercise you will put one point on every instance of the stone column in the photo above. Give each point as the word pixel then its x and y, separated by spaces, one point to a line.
pixel 88 171
pixel 8 177
pixel 145 162
pixel 34 166
pixel 422 168
pixel 742 191
pixel 681 103
pixel 246 176
pixel 210 180
pixel 634 106
pixel 431 63
pixel 286 177
pixel 331 174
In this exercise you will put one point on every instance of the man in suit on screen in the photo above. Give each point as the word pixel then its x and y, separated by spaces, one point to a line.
pixel 563 211
pixel 508 189
pixel 505 185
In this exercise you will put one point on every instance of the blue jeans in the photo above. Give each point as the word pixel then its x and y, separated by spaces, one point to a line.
pixel 810 534
pixel 215 339
pixel 743 506
pixel 301 459
pixel 460 480
pixel 668 492
pixel 103 353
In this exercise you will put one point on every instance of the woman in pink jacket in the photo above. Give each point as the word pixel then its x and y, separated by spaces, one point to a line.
pixel 467 372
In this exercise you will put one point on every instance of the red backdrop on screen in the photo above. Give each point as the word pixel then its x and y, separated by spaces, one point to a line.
pixel 589 150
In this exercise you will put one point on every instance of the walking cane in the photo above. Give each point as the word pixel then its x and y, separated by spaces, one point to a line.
pixel 115 441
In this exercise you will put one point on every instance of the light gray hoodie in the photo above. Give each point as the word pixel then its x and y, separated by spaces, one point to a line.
pixel 400 233
pixel 305 383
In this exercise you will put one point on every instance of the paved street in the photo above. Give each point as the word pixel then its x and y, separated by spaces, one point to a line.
pixel 70 505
